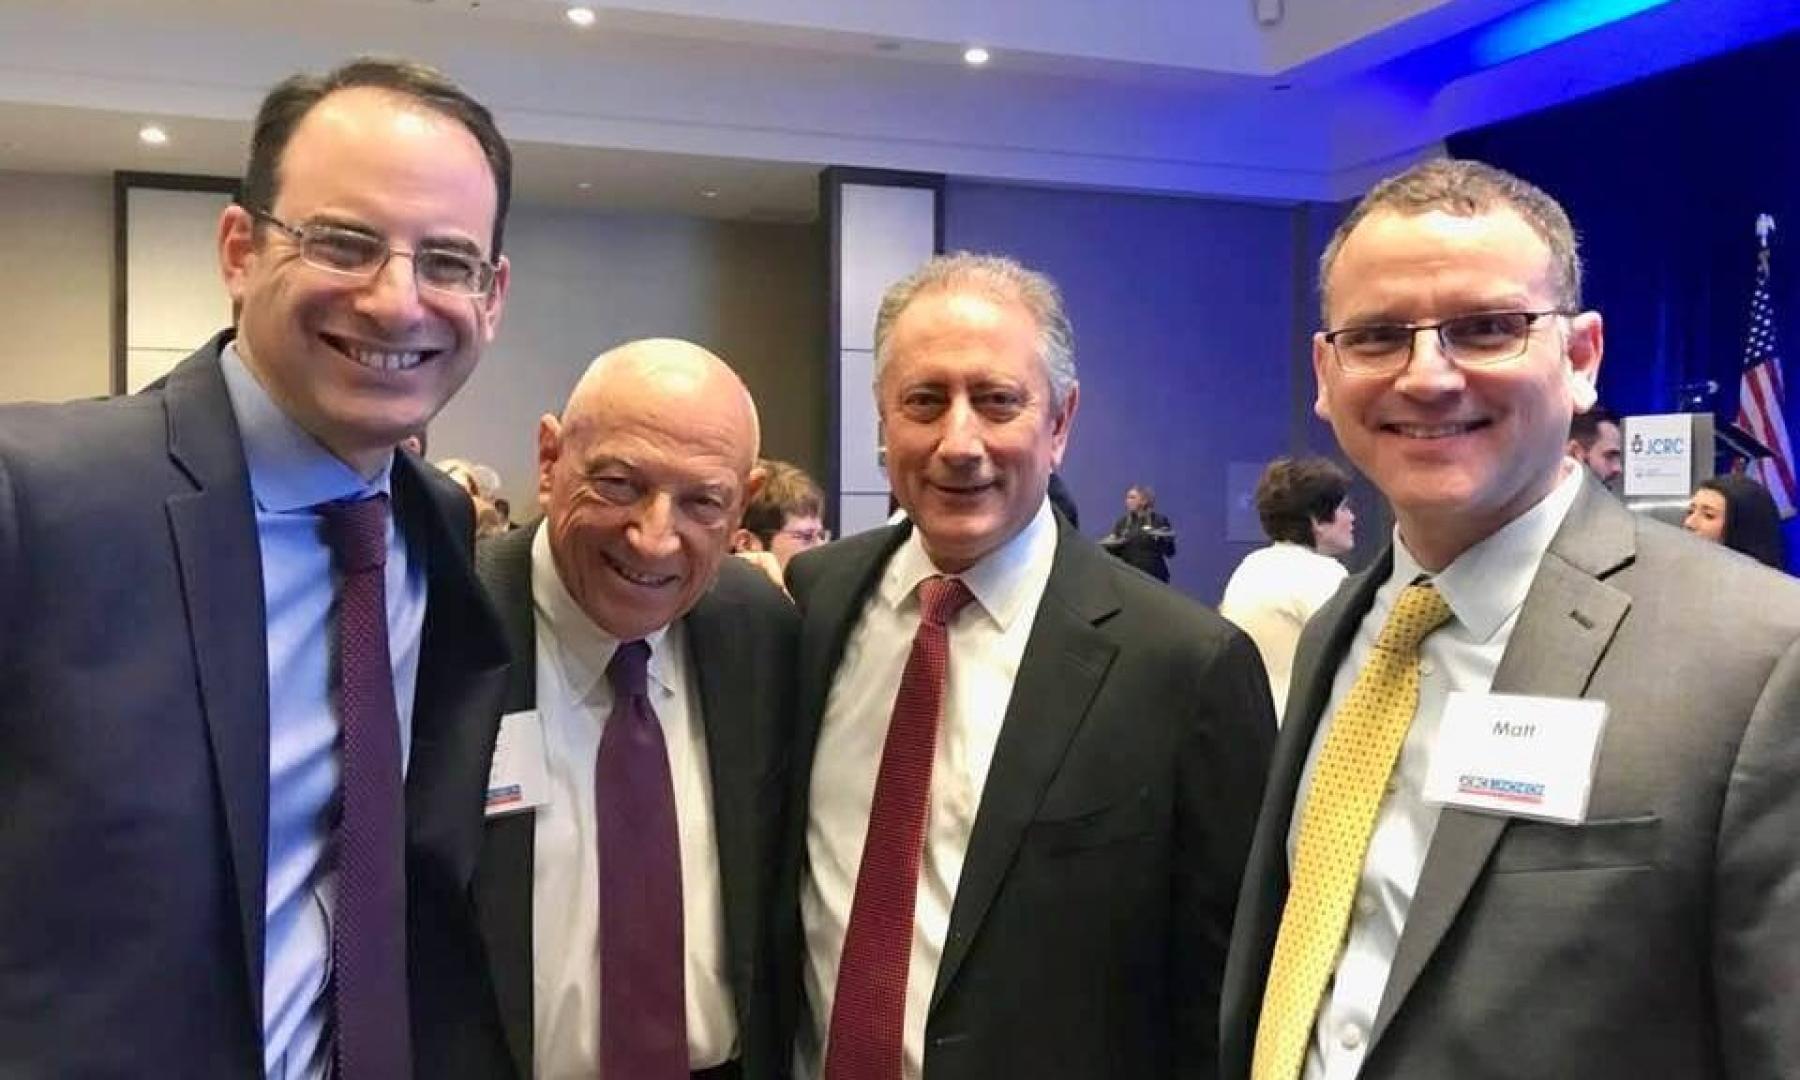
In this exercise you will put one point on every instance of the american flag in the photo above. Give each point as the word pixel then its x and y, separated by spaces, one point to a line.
pixel 1760 389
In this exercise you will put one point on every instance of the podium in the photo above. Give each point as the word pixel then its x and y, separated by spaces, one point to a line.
pixel 1668 454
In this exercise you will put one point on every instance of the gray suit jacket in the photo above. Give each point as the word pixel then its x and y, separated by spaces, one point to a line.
pixel 1088 933
pixel 741 636
pixel 1662 937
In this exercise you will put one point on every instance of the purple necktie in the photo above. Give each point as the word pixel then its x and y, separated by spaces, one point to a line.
pixel 368 927
pixel 643 1007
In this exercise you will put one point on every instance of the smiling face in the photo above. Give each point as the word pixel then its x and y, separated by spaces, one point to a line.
pixel 361 365
pixel 972 436
pixel 643 481
pixel 1458 452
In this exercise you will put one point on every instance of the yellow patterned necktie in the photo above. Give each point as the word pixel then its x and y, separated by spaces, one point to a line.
pixel 1348 782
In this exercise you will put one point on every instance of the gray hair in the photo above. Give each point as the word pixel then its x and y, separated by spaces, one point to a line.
pixel 999 278
pixel 1468 188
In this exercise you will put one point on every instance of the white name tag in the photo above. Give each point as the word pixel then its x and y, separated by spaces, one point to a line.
pixel 1523 756
pixel 517 778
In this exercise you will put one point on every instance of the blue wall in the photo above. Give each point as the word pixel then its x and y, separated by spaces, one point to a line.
pixel 1190 321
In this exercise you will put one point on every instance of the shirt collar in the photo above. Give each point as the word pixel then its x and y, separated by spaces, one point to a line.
pixel 1488 582
pixel 289 470
pixel 583 650
pixel 1001 582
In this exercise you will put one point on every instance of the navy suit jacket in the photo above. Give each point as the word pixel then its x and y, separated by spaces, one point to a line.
pixel 134 745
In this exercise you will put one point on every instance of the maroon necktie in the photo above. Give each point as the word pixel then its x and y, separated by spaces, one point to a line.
pixel 643 1006
pixel 368 926
pixel 868 1014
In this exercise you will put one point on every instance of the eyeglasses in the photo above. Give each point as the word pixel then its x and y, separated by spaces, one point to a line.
pixel 1481 340
pixel 807 537
pixel 353 253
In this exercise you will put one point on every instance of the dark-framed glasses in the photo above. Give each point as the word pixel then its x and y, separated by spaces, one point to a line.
pixel 353 253
pixel 1482 339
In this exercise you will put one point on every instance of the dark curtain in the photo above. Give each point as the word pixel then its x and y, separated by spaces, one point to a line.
pixel 1664 179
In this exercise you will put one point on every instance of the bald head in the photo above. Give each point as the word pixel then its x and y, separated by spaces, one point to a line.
pixel 643 480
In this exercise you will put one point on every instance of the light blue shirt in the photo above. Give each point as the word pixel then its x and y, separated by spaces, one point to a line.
pixel 290 473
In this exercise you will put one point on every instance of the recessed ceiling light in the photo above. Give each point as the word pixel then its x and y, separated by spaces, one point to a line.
pixel 709 193
pixel 581 16
pixel 151 135
pixel 975 56
pixel 585 185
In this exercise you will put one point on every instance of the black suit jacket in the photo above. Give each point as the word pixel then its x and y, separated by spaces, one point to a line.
pixel 1087 937
pixel 1659 938
pixel 134 744
pixel 741 639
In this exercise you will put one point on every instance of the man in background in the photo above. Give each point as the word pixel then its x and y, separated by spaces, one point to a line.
pixel 625 911
pixel 250 680
pixel 782 520
pixel 1533 805
pixel 1026 773
pixel 1594 440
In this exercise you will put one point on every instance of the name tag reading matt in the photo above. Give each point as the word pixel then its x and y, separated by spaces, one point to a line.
pixel 1522 756
pixel 517 778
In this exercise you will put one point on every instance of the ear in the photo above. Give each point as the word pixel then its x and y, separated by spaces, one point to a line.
pixel 745 540
pixel 1063 422
pixel 493 305
pixel 237 250
pixel 1322 361
pixel 1587 342
pixel 549 448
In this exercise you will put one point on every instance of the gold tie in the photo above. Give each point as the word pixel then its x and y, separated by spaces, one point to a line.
pixel 1347 786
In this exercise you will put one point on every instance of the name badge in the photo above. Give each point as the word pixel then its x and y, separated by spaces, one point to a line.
pixel 1521 756
pixel 517 778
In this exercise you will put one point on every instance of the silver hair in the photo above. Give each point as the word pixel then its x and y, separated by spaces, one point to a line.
pixel 1002 279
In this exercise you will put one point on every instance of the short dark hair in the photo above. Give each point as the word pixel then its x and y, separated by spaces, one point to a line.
pixel 294 97
pixel 1294 493
pixel 1752 520
pixel 1468 189
pixel 1585 427
pixel 787 492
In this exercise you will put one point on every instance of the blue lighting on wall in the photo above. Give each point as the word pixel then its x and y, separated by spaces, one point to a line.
pixel 1547 23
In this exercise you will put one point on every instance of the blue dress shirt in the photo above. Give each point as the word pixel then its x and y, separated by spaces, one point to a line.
pixel 290 473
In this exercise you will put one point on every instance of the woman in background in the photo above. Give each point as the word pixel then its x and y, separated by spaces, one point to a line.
pixel 1143 537
pixel 1738 512
pixel 1304 510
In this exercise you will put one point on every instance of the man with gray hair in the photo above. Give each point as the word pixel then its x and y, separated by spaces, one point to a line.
pixel 1534 803
pixel 1025 772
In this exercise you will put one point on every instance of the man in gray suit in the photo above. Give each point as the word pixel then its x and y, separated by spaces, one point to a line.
pixel 1656 934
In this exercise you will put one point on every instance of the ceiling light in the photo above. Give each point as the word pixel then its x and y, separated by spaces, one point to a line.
pixel 585 185
pixel 151 135
pixel 975 56
pixel 709 193
pixel 581 16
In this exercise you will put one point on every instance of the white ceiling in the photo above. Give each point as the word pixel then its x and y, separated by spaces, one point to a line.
pixel 665 100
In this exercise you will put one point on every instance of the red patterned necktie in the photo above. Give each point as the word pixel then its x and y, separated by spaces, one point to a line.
pixel 643 1002
pixel 868 1013
pixel 368 926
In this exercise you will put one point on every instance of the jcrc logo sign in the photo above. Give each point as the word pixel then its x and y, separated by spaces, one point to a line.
pixel 1659 445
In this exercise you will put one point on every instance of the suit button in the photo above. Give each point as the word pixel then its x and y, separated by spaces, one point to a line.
pixel 1350 1037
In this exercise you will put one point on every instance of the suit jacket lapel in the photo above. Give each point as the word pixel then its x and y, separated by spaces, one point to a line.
pixel 220 561
pixel 1065 660
pixel 1322 648
pixel 503 880
pixel 731 753
pixel 1568 619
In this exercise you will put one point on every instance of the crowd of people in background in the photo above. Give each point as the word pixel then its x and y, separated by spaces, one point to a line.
pixel 317 767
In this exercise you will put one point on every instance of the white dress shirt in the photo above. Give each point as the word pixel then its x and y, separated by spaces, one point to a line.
pixel 574 699
pixel 987 642
pixel 1485 587
pixel 1270 596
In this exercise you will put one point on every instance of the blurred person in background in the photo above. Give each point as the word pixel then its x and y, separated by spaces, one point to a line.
pixel 1142 537
pixel 1738 512
pixel 1306 514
